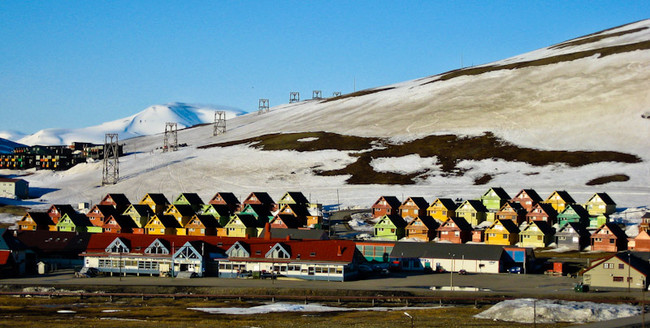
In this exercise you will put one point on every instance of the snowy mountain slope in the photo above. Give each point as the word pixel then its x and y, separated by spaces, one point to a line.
pixel 149 121
pixel 578 95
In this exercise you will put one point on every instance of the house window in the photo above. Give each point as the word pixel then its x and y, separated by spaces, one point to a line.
pixel 611 241
pixel 621 266
pixel 618 279
pixel 608 265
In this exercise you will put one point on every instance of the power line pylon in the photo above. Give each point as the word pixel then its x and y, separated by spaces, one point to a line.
pixel 111 172
pixel 219 122
pixel 171 137
pixel 263 106
pixel 294 96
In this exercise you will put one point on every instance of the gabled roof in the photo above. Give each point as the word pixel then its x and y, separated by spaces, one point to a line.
pixel 63 208
pixel 207 220
pixel 477 205
pixel 448 203
pixel 124 221
pixel 500 192
pixel 168 221
pixel 563 195
pixel 531 193
pixel 183 209
pixel 55 243
pixel 141 209
pixel 192 198
pixel 105 210
pixel 157 198
pixel 543 226
pixel 578 209
pixel 78 220
pixel 636 260
pixel 396 220
pixel 420 202
pixel 428 221
pixel 392 201
pixel 578 227
pixel 614 228
pixel 298 209
pixel 547 208
pixel 447 251
pixel 247 220
pixel 258 209
pixel 289 220
pixel 221 209
pixel 517 207
pixel 40 218
pixel 460 222
pixel 297 197
pixel 262 197
pixel 228 197
pixel 120 199
pixel 338 251
pixel 509 225
pixel 139 243
pixel 604 197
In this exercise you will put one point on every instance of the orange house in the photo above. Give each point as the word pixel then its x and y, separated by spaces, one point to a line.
pixel 33 221
pixel 422 228
pixel 202 225
pixel 99 213
pixel 609 238
pixel 119 224
pixel 640 243
pixel 512 211
pixel 413 207
pixel 442 209
pixel 385 205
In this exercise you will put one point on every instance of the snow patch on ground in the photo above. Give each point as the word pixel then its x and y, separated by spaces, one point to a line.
pixel 406 164
pixel 552 311
pixel 307 139
pixel 290 307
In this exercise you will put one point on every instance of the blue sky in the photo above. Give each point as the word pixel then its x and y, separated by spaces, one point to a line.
pixel 71 64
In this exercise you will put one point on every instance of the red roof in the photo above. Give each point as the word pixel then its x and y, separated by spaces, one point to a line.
pixel 4 257
pixel 305 250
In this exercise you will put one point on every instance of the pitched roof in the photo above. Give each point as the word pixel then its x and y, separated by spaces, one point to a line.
pixel 183 209
pixel 157 198
pixel 547 208
pixel 63 208
pixel 142 209
pixel 221 209
pixel 564 195
pixel 299 209
pixel 228 197
pixel 531 193
pixel 460 222
pixel 247 220
pixel 543 226
pixel 262 197
pixel 139 242
pixel 297 234
pixel 54 243
pixel 396 220
pixel 447 251
pixel 604 197
pixel 476 204
pixel 41 218
pixel 289 220
pixel 119 199
pixel 207 220
pixel 509 225
pixel 501 193
pixel 614 228
pixel 339 251
pixel 578 227
pixel 298 197
pixel 192 198
pixel 578 209
pixel 428 221
pixel 420 202
pixel 392 201
pixel 636 260
pixel 448 203
pixel 168 221
pixel 105 210
pixel 124 221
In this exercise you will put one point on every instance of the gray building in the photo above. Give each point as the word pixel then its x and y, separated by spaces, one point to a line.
pixel 14 188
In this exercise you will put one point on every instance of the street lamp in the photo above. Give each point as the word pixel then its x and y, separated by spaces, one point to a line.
pixel 410 317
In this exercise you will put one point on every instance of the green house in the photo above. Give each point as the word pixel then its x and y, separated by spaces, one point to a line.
pixel 596 221
pixel 259 211
pixel 74 223
pixel 494 199
pixel 189 198
pixel 573 213
pixel 219 212
pixel 390 227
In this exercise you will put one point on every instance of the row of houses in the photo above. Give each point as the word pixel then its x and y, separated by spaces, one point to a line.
pixel 495 203
pixel 52 157
pixel 224 215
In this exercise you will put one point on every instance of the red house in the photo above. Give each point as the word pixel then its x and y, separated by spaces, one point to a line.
pixel 512 211
pixel 226 198
pixel 119 224
pixel 527 198
pixel 119 201
pixel 609 238
pixel 456 230
pixel 57 211
pixel 385 205
pixel 99 213
pixel 542 212
pixel 261 198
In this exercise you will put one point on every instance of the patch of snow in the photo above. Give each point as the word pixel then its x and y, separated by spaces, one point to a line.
pixel 291 307
pixel 406 164
pixel 552 311
pixel 308 139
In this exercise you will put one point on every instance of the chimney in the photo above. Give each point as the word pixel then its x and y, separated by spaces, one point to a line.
pixel 288 238
pixel 267 231
pixel 339 251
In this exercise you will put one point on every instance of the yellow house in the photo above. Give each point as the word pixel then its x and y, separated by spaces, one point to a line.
pixel 242 225
pixel 472 211
pixel 502 232
pixel 600 203
pixel 182 213
pixel 536 234
pixel 162 225
pixel 442 209
pixel 559 199
pixel 157 202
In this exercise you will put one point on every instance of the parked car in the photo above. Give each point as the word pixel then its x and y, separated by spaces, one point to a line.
pixel 516 269
pixel 462 272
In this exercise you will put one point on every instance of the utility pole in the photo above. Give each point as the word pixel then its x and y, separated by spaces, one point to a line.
pixel 111 172
pixel 171 137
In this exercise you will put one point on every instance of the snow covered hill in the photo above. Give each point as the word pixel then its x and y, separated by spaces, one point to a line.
pixel 586 94
pixel 149 121
pixel 7 146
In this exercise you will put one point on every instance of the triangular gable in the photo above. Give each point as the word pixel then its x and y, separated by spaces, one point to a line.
pixel 118 246
pixel 458 222
pixel 643 235
pixel 392 221
pixel 293 197
pixel 419 202
pixel 278 251
pixel 496 192
pixel 188 198
pixel 560 195
pixel 390 201
pixel 238 249
pixel 528 194
pixel 447 203
pixel 188 251
pixel 157 247
pixel 507 225
pixel 601 196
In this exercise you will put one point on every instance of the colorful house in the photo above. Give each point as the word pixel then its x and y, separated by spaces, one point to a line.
pixel 455 230
pixel 413 207
pixel 139 213
pixel 422 228
pixel 573 213
pixel 494 199
pixel 315 216
pixel 527 198
pixel 442 209
pixel 202 225
pixel 598 220
pixel 226 198
pixel 624 270
pixel 242 225
pixel 559 199
pixel 293 197
pixel 609 238
pixel 285 221
pixel 385 205
pixel 162 225
pixel 600 203
pixel 503 232
pixel 259 211
pixel 73 223
pixel 472 211
pixel 573 236
pixel 99 213
pixel 119 201
pixel 157 202
pixel 536 234
pixel 390 227
pixel 182 213
pixel 300 212
pixel 58 210
pixel 640 243
pixel 261 198
pixel 220 212
pixel 512 211
pixel 33 221
pixel 542 212
pixel 119 224
pixel 191 199
pixel 645 222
